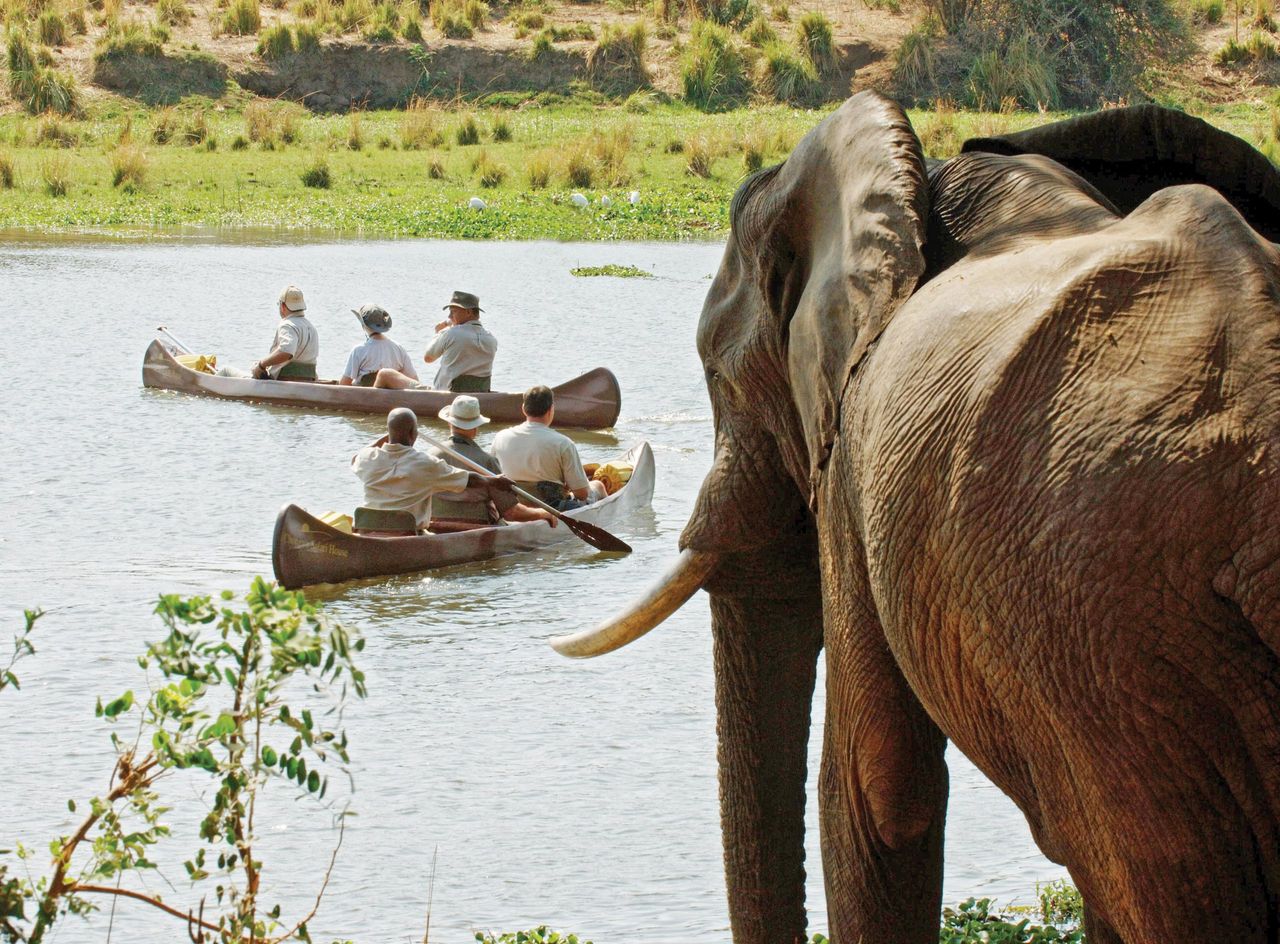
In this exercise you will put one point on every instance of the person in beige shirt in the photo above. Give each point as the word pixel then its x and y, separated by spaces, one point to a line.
pixel 398 477
pixel 464 347
pixel 295 348
pixel 543 461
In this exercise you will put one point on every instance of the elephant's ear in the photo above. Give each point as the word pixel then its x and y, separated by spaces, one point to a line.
pixel 857 195
pixel 1130 153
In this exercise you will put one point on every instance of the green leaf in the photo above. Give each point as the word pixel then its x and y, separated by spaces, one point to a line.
pixel 268 755
pixel 71 805
pixel 226 724
pixel 118 706
pixel 313 781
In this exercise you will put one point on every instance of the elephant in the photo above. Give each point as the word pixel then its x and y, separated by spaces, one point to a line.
pixel 999 436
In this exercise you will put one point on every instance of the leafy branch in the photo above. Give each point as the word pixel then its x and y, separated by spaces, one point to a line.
pixel 219 710
pixel 21 649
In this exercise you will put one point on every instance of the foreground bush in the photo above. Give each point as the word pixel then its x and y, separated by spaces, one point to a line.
pixel 712 68
pixel 224 701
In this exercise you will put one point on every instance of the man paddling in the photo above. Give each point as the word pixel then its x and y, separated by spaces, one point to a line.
pixel 295 348
pixel 398 477
pixel 543 461
pixel 465 419
pixel 377 352
pixel 464 348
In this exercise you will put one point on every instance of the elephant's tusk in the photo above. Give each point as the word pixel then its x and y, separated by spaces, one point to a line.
pixel 666 596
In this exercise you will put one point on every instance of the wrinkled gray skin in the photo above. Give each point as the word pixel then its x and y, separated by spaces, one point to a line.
pixel 1003 440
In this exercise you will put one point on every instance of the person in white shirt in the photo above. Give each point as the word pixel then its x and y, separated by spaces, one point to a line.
pixel 398 477
pixel 294 350
pixel 464 348
pixel 542 461
pixel 378 352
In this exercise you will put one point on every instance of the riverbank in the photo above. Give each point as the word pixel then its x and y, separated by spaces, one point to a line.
pixel 423 172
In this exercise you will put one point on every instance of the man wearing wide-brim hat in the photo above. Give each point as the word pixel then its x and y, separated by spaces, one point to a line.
pixel 464 418
pixel 464 348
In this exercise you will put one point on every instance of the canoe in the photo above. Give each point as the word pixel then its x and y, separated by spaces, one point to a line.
pixel 306 551
pixel 591 401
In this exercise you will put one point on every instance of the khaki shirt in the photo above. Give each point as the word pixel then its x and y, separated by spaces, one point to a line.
pixel 463 350
pixel 467 447
pixel 297 336
pixel 534 452
pixel 401 478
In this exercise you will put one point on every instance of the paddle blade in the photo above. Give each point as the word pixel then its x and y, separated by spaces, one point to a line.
pixel 597 537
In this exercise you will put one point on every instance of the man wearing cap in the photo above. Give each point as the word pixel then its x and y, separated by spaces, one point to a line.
pixel 377 353
pixel 542 461
pixel 295 348
pixel 398 477
pixel 464 419
pixel 462 345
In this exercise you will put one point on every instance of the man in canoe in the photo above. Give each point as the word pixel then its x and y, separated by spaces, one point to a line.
pixel 377 352
pixel 464 348
pixel 398 477
pixel 464 419
pixel 295 348
pixel 542 461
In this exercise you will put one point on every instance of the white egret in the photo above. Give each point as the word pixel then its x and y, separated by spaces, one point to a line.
pixel 477 204
pixel 634 197
pixel 578 200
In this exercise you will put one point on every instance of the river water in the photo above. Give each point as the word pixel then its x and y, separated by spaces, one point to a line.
pixel 582 795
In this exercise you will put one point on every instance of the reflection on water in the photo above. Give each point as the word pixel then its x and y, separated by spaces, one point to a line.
pixel 580 794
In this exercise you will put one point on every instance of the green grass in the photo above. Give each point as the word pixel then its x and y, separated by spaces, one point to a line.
pixel 254 178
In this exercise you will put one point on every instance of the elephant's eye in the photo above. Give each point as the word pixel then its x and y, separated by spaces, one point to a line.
pixel 713 375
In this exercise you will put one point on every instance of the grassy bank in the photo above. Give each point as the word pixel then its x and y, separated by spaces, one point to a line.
pixel 415 173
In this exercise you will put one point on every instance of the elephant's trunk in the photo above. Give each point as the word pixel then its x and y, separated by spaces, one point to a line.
pixel 765 659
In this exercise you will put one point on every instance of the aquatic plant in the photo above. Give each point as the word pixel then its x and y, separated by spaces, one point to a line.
pixel 222 700
pixel 612 269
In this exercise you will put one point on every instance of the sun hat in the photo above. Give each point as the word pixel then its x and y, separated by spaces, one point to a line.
pixel 464 413
pixel 464 300
pixel 374 317
pixel 292 299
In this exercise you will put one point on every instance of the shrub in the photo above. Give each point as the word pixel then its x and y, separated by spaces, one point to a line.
pixel 813 36
pixel 913 66
pixel 355 132
pixel 165 126
pixel 1261 47
pixel 8 176
pixel 196 129
pixel 352 15
pixel 306 38
pixel 1232 54
pixel 128 167
pixel 382 26
pixel 412 29
pixel 579 167
pixel 476 13
pixel 753 151
pixel 537 171
pixel 1261 16
pixel 611 149
pixel 131 38
pixel 489 171
pixel 435 169
pixel 541 46
pixel 698 154
pixel 467 132
pixel 55 171
pixel 526 23
pixel 1207 12
pixel 938 133
pixel 973 921
pixel 501 130
pixel 239 143
pixel 731 13
pixel 639 103
pixel 760 33
pixel 454 27
pixel 173 12
pixel 268 123
pixel 275 43
pixel 76 22
pixel 242 18
pixel 419 125
pixel 712 69
pixel 619 53
pixel 666 11
pixel 1060 903
pixel 51 28
pixel 316 174
pixel 50 90
pixel 52 131
pixel 788 76
pixel 780 12
pixel 1024 73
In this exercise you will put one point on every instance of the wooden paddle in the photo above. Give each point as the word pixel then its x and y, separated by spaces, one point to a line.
pixel 596 536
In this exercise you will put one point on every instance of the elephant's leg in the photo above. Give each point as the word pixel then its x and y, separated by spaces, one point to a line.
pixel 766 654
pixel 1099 930
pixel 883 791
